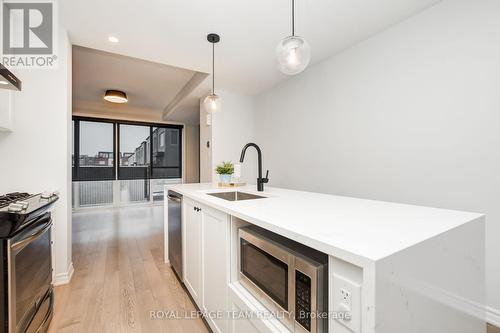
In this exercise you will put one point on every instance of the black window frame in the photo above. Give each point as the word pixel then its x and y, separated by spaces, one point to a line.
pixel 76 173
pixel 119 174
pixel 116 147
pixel 151 146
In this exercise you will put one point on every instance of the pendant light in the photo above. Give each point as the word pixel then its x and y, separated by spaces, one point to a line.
pixel 212 102
pixel 293 52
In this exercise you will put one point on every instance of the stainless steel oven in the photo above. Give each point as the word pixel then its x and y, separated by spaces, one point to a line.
pixel 286 277
pixel 29 277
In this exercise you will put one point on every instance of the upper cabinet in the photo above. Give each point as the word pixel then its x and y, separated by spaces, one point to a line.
pixel 8 80
pixel 6 110
pixel 9 84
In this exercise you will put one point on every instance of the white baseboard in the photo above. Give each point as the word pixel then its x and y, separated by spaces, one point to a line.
pixel 64 278
pixel 493 316
pixel 472 308
pixel 475 309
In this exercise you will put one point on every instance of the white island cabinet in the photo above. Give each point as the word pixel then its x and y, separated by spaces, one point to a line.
pixel 206 260
pixel 191 244
pixel 397 268
pixel 215 248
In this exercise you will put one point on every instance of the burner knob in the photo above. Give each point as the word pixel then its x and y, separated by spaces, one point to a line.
pixel 15 208
pixel 46 195
pixel 25 204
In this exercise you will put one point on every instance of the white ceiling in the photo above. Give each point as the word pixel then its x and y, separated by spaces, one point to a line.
pixel 150 86
pixel 174 31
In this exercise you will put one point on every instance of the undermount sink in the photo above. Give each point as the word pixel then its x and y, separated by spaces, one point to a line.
pixel 235 196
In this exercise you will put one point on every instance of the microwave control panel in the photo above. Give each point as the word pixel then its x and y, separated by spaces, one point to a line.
pixel 303 300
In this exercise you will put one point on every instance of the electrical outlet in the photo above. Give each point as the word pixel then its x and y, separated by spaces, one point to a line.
pixel 347 299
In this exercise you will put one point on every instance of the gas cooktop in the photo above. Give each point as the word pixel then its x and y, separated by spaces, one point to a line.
pixel 22 202
pixel 7 199
pixel 19 209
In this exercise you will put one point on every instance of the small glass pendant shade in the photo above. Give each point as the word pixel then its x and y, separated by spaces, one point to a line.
pixel 212 103
pixel 293 54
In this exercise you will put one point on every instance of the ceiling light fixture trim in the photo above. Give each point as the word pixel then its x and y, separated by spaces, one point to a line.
pixel 116 96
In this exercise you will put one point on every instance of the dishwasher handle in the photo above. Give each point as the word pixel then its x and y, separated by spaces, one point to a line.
pixel 173 198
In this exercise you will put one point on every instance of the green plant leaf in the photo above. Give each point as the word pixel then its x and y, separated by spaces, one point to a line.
pixel 225 168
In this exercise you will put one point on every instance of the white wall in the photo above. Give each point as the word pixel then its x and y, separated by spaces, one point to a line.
pixel 192 153
pixel 36 155
pixel 411 115
pixel 231 129
pixel 205 150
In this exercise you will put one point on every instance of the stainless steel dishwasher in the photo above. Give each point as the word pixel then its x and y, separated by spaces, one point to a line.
pixel 175 232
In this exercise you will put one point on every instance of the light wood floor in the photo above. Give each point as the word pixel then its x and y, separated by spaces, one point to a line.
pixel 120 276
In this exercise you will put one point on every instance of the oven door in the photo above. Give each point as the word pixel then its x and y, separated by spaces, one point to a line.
pixel 267 271
pixel 29 272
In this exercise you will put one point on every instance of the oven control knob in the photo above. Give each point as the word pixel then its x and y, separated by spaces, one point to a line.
pixel 15 208
pixel 25 204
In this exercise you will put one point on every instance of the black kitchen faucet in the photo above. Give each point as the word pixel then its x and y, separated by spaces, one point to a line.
pixel 260 181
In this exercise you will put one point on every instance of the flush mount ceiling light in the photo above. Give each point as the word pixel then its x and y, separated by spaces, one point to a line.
pixel 293 52
pixel 116 96
pixel 113 39
pixel 212 102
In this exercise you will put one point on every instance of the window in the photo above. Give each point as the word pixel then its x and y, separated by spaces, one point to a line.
pixel 134 152
pixel 115 150
pixel 134 169
pixel 174 138
pixel 162 141
pixel 166 153
pixel 93 150
pixel 73 166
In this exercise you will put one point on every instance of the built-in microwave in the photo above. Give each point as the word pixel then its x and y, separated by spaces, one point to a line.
pixel 288 278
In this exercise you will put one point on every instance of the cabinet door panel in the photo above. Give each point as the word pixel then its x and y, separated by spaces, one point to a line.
pixel 192 251
pixel 242 325
pixel 216 265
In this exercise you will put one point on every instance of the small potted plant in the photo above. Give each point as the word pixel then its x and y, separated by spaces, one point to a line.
pixel 225 170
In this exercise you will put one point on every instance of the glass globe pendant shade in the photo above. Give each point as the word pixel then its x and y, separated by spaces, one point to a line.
pixel 212 103
pixel 293 54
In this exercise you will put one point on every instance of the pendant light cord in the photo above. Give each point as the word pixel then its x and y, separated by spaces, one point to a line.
pixel 293 17
pixel 213 68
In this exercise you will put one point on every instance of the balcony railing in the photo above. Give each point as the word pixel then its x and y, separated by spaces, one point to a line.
pixel 118 192
pixel 97 193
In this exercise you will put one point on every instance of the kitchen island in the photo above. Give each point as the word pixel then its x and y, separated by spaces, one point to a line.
pixel 407 268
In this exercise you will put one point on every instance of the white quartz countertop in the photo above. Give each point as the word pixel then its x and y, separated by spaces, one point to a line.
pixel 357 230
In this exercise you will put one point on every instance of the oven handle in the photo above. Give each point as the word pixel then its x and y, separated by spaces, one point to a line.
pixel 32 237
pixel 48 315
